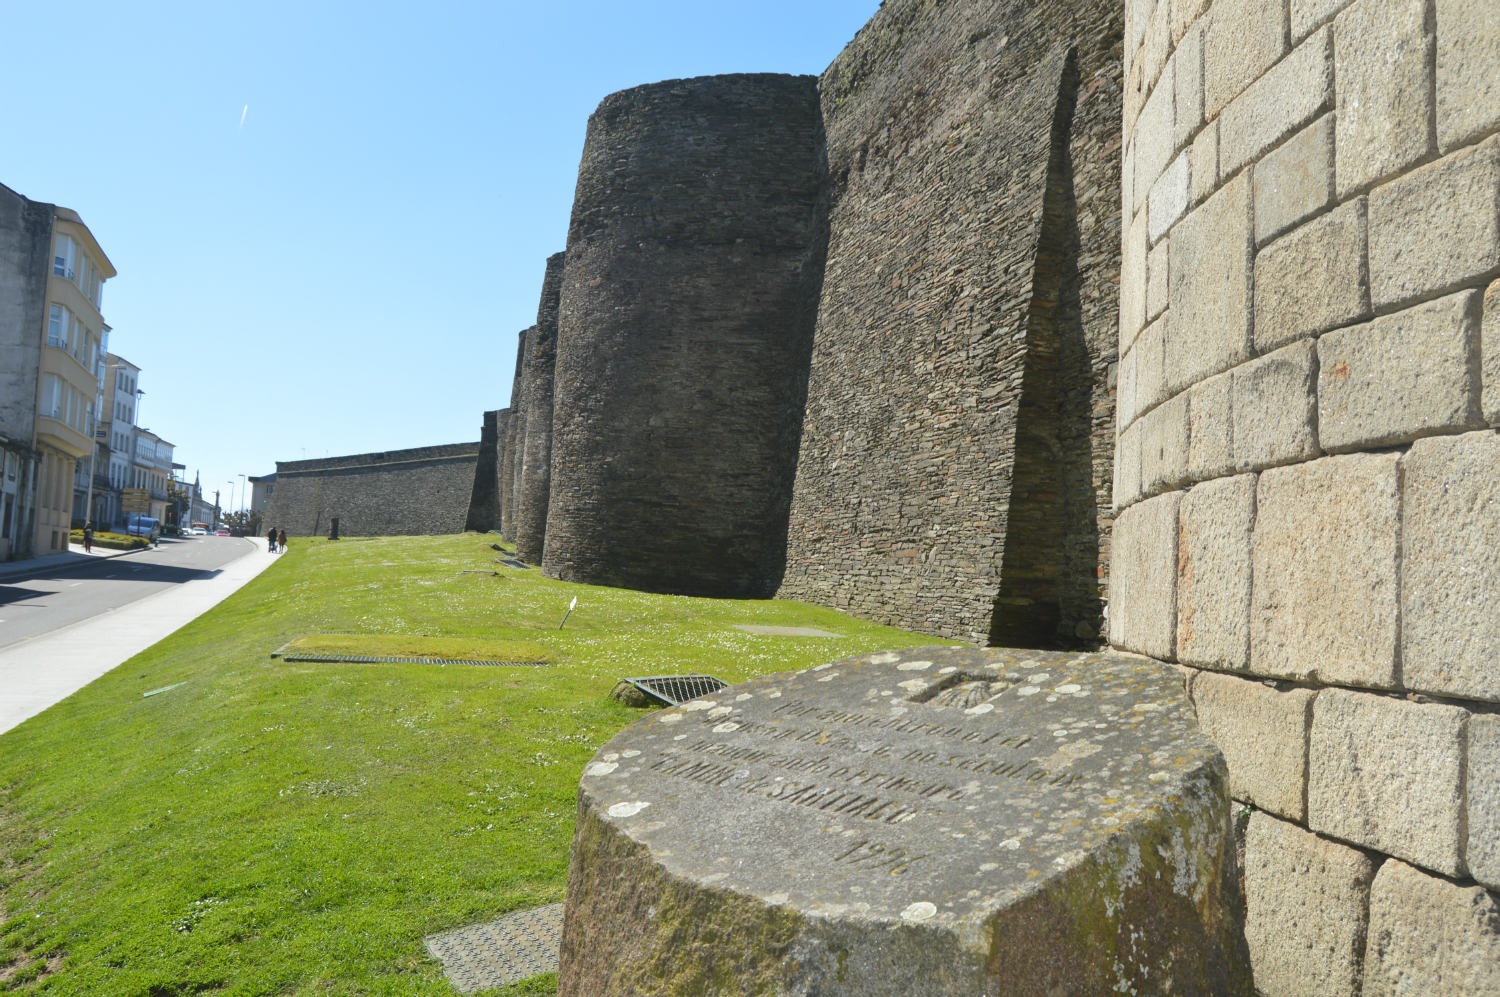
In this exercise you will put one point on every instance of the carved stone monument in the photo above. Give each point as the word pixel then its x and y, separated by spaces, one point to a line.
pixel 930 821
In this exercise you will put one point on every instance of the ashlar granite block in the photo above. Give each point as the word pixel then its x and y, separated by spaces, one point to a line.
pixel 1210 287
pixel 1213 575
pixel 1294 182
pixel 1387 774
pixel 1450 568
pixel 1263 734
pixel 1468 71
pixel 1482 848
pixel 1324 554
pixel 1400 376
pixel 1437 228
pixel 1489 339
pixel 1431 937
pixel 1382 58
pixel 1292 93
pixel 1143 581
pixel 1275 408
pixel 1313 278
pixel 1307 902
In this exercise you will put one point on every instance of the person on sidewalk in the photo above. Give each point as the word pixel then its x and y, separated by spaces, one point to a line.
pixel 281 540
pixel 88 537
pixel 271 537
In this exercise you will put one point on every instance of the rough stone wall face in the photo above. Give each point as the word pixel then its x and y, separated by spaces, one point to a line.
pixel 510 472
pixel 25 251
pixel 535 451
pixel 484 499
pixel 956 455
pixel 1308 463
pixel 424 490
pixel 693 256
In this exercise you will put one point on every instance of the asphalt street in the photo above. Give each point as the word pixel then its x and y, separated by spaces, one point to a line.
pixel 58 598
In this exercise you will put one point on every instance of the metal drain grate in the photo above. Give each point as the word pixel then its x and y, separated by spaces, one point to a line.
pixel 674 690
pixel 363 659
pixel 500 952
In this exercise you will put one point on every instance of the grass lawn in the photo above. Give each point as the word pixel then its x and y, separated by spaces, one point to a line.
pixel 263 827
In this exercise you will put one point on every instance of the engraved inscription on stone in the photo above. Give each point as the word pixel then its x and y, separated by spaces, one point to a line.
pixel 938 820
pixel 959 770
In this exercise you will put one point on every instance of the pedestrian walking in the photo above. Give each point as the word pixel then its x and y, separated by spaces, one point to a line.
pixel 271 541
pixel 88 537
pixel 281 541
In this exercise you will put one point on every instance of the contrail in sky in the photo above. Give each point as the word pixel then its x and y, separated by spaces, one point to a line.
pixel 242 115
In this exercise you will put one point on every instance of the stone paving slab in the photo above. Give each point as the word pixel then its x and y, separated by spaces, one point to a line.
pixel 498 953
pixel 764 631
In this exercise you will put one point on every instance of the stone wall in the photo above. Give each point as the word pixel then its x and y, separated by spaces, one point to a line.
pixel 694 251
pixel 484 498
pixel 1308 471
pixel 515 430
pixel 403 492
pixel 25 249
pixel 955 457
pixel 535 448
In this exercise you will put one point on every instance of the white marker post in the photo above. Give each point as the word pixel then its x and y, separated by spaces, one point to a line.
pixel 569 613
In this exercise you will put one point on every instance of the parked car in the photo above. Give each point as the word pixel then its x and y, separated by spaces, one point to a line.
pixel 137 525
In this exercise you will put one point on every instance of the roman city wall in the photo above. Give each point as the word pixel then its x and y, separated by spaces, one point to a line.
pixel 515 438
pixel 535 447
pixel 693 257
pixel 422 490
pixel 953 474
pixel 484 498
pixel 1308 468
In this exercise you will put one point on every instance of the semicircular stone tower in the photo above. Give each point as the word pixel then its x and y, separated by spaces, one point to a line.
pixel 1308 468
pixel 688 300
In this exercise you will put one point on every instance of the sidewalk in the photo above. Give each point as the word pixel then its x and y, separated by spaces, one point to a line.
pixel 36 673
pixel 74 556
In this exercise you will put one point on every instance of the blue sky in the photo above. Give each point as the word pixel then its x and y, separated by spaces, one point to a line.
pixel 330 220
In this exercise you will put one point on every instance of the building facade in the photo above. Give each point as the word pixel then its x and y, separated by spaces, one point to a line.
pixel 262 488
pixel 52 275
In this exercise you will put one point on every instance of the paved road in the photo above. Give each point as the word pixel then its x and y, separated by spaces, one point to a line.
pixel 33 606
pixel 175 585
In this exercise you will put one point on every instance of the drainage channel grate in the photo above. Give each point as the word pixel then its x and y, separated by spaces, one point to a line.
pixel 365 659
pixel 674 690
pixel 500 952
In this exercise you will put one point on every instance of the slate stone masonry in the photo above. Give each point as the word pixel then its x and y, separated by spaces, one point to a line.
pixel 424 490
pixel 484 498
pixel 955 460
pixel 534 444
pixel 693 257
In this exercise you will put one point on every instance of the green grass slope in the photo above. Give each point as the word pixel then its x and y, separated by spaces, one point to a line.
pixel 264 827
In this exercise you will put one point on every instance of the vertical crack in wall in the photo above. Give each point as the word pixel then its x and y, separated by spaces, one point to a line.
pixel 1051 545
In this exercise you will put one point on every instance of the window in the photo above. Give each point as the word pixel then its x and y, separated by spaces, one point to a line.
pixel 58 321
pixel 52 396
pixel 65 258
